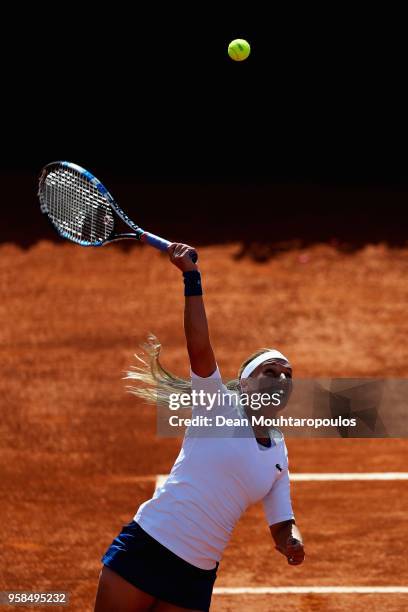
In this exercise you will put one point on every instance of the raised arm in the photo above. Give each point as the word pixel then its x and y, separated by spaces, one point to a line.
pixel 199 347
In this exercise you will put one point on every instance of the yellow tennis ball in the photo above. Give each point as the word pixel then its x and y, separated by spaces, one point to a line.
pixel 239 49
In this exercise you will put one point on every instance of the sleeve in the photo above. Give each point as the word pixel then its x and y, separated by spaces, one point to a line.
pixel 210 385
pixel 277 502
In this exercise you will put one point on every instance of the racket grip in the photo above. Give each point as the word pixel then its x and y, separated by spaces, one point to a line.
pixel 162 244
pixel 155 241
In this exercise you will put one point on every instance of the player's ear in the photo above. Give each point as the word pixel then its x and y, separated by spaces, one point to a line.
pixel 244 385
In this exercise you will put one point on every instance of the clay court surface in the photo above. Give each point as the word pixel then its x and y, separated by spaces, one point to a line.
pixel 78 454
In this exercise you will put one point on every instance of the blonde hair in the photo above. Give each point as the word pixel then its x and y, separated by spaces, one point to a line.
pixel 157 383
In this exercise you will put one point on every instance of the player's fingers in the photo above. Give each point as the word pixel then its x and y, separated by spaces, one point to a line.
pixel 171 248
pixel 292 561
pixel 183 251
pixel 188 251
pixel 294 544
pixel 298 556
pixel 184 247
pixel 299 552
pixel 178 250
pixel 295 553
pixel 291 541
pixel 295 547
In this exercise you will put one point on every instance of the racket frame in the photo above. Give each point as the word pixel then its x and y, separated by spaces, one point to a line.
pixel 139 233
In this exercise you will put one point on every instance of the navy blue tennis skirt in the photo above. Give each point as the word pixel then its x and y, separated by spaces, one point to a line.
pixel 153 568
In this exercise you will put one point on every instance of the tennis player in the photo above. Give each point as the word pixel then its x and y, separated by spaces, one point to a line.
pixel 166 558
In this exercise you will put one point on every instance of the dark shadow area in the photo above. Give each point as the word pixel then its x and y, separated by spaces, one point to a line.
pixel 263 218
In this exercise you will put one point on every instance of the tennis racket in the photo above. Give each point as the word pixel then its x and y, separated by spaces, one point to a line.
pixel 81 208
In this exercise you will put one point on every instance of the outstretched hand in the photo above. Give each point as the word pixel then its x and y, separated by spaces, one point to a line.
pixel 181 256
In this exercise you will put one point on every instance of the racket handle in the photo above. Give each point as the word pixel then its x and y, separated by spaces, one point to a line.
pixel 161 243
pixel 155 241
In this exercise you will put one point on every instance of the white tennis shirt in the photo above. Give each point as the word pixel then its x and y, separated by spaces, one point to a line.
pixel 212 482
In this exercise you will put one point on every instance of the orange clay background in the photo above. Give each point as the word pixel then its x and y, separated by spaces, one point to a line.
pixel 78 454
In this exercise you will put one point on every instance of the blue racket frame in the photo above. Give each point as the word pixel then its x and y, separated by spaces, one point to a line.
pixel 139 234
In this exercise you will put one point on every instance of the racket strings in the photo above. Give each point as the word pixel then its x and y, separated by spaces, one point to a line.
pixel 76 206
